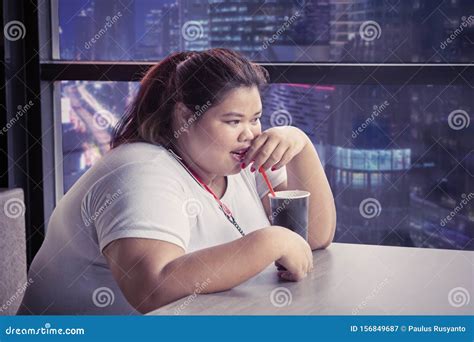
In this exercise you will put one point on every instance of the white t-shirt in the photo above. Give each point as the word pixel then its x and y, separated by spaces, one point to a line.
pixel 135 191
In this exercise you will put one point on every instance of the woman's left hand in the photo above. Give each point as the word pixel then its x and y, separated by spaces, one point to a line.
pixel 275 147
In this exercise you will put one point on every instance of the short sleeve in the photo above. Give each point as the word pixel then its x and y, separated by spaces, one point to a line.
pixel 138 200
pixel 276 178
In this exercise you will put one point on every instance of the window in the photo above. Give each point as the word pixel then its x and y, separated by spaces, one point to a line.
pixel 90 109
pixel 375 179
pixel 359 180
pixel 397 131
pixel 270 31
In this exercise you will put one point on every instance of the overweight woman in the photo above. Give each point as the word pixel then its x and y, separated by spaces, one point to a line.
pixel 178 201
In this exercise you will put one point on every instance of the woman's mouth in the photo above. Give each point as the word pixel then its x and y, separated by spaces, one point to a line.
pixel 239 155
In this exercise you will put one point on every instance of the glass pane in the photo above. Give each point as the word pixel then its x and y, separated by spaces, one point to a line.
pixel 357 157
pixel 359 180
pixel 89 111
pixel 414 161
pixel 278 30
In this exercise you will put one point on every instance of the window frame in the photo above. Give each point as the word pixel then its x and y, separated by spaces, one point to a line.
pixel 42 17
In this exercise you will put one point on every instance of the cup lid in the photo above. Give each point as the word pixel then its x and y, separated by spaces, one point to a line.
pixel 290 194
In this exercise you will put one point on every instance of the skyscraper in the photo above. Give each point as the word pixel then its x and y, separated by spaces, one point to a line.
pixel 256 28
pixel 115 24
pixel 194 25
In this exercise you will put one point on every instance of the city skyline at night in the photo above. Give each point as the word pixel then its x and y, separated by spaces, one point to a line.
pixel 392 146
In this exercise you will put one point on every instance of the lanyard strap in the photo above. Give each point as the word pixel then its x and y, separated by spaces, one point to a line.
pixel 222 206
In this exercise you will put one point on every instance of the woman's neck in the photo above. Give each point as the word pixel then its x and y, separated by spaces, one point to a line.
pixel 211 180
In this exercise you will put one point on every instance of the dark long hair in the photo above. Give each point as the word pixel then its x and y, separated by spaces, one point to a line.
pixel 190 78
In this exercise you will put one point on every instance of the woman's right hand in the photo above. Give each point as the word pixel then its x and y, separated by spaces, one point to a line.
pixel 297 257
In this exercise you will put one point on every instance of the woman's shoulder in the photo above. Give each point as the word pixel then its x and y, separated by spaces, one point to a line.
pixel 137 163
pixel 138 154
pixel 137 151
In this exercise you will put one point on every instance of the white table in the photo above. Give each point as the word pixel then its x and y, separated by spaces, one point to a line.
pixel 351 279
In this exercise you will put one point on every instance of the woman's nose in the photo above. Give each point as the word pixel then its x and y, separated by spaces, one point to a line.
pixel 247 134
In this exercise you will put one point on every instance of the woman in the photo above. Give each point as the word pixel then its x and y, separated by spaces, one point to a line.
pixel 149 221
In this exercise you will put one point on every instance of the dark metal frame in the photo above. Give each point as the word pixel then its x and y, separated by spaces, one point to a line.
pixel 321 73
pixel 24 139
pixel 3 117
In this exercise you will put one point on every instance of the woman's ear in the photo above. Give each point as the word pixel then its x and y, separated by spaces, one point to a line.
pixel 181 113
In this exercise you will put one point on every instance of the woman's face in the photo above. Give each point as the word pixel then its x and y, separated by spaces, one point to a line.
pixel 224 129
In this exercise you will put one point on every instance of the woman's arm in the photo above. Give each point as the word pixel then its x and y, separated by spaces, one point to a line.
pixel 305 172
pixel 153 273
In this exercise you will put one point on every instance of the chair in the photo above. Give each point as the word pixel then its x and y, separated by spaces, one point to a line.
pixel 13 282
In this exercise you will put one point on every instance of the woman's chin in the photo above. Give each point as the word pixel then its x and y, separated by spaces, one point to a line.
pixel 235 170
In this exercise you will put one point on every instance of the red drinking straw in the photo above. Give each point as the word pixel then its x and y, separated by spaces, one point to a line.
pixel 264 174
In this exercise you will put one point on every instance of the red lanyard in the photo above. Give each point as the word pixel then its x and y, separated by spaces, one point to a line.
pixel 222 206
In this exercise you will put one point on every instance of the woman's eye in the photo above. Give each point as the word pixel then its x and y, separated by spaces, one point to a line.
pixel 236 122
pixel 233 122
